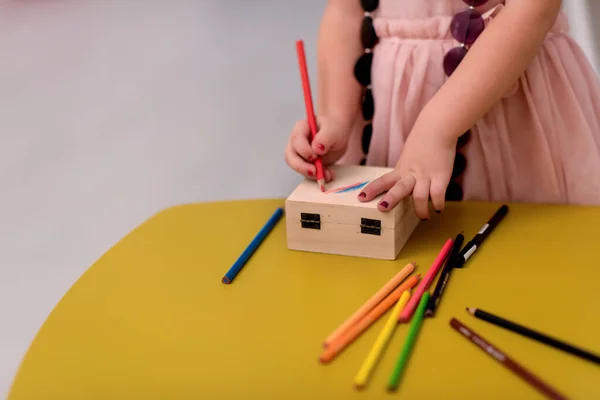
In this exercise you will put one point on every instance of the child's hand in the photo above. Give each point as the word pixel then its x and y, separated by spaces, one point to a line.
pixel 330 144
pixel 424 170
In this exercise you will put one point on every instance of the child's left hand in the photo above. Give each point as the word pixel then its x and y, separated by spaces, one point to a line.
pixel 423 170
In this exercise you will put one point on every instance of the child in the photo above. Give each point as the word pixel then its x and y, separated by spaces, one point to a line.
pixel 511 116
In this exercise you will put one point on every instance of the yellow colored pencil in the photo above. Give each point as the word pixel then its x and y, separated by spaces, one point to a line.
pixel 381 342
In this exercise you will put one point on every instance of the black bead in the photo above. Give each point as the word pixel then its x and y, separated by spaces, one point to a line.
pixel 368 37
pixel 362 69
pixel 368 105
pixel 369 5
pixel 460 164
pixel 463 140
pixel 363 161
pixel 454 192
pixel 366 138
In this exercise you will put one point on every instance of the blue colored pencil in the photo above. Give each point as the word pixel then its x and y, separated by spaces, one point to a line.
pixel 258 239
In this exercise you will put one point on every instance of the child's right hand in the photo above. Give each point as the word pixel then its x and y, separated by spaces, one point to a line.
pixel 330 144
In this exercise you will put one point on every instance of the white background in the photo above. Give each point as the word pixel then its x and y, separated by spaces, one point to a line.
pixel 111 110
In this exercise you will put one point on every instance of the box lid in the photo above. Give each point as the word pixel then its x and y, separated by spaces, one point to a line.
pixel 343 191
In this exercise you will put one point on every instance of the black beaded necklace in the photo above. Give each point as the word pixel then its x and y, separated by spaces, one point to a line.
pixel 362 72
pixel 470 19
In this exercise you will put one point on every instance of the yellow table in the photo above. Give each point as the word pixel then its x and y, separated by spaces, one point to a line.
pixel 152 320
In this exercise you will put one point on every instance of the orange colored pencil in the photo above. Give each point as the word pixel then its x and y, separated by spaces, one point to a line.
pixel 348 337
pixel 372 302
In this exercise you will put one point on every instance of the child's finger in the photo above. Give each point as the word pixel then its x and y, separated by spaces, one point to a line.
pixel 301 129
pixel 438 193
pixel 302 147
pixel 402 189
pixel 331 174
pixel 378 186
pixel 421 198
pixel 324 141
pixel 298 164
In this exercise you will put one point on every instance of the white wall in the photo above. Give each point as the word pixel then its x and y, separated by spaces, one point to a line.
pixel 113 109
pixel 583 17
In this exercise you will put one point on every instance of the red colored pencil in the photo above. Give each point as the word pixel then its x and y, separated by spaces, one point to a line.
pixel 507 361
pixel 410 308
pixel 310 113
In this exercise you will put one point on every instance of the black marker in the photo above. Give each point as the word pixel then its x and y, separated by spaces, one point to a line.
pixel 474 244
pixel 444 277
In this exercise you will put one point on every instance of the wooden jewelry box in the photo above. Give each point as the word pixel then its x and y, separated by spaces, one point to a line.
pixel 335 222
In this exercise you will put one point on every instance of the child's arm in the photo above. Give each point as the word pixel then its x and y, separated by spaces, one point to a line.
pixel 339 93
pixel 494 63
pixel 338 49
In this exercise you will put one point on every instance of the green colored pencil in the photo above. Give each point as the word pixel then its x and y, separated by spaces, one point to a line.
pixel 417 321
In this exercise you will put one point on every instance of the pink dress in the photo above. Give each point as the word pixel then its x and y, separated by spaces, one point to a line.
pixel 540 143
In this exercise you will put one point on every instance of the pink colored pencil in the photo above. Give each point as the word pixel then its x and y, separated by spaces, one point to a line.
pixel 412 304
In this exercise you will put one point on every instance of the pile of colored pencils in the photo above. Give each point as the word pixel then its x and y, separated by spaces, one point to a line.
pixel 407 305
pixel 396 295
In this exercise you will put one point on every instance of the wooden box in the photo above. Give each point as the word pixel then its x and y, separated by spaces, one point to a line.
pixel 335 222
